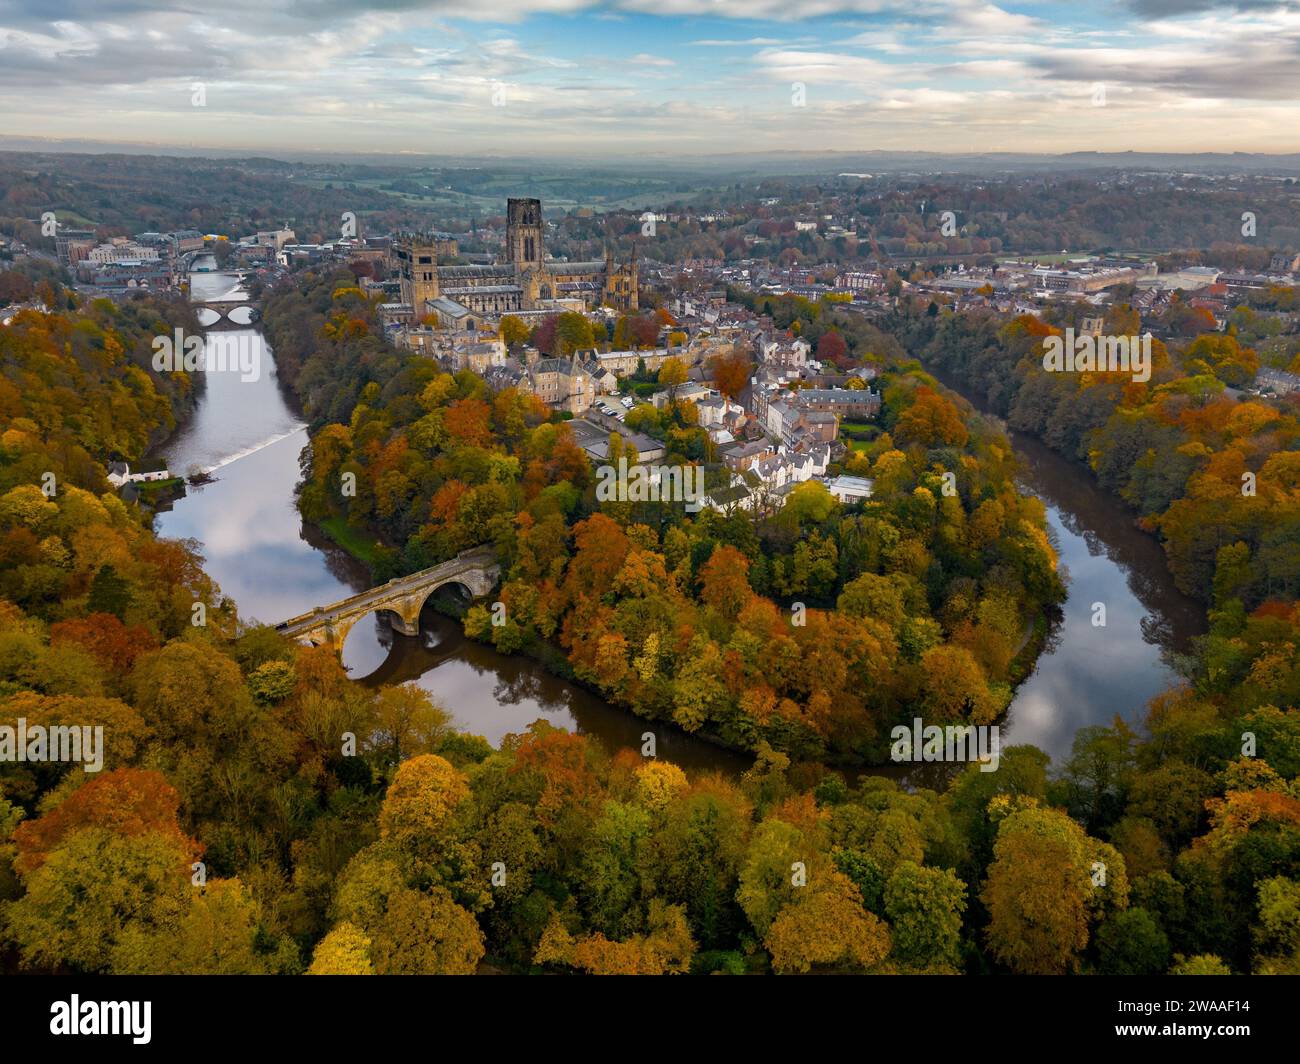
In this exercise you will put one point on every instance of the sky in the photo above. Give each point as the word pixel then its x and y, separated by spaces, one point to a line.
pixel 652 77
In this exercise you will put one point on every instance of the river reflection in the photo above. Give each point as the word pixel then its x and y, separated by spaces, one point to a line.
pixel 509 692
pixel 256 548
pixel 1090 673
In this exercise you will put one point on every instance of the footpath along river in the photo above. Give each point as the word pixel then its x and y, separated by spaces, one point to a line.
pixel 256 547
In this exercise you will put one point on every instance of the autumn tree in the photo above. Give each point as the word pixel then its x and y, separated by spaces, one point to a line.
pixel 426 933
pixel 1047 883
pixel 672 375
pixel 931 420
pixel 127 802
pixel 825 924
pixel 408 722
pixel 421 800
pixel 832 348
pixel 344 951
pixel 512 330
pixel 724 581
pixel 730 373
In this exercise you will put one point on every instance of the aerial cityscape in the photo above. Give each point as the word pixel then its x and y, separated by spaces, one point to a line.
pixel 590 489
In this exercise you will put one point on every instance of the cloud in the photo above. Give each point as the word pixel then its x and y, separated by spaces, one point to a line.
pixel 749 43
pixel 1174 8
pixel 825 68
pixel 988 19
pixel 903 73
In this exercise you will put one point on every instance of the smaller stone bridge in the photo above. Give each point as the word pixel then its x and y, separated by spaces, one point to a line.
pixel 476 570
pixel 223 309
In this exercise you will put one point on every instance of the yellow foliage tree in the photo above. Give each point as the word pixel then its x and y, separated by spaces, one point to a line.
pixel 826 924
pixel 344 951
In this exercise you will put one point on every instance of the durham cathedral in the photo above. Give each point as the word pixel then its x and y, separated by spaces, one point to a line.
pixel 524 282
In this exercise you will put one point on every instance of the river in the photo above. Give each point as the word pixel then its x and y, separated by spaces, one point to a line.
pixel 1089 673
pixel 256 548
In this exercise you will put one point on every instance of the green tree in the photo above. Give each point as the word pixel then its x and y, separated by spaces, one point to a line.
pixel 573 333
pixel 1132 943
pixel 96 895
pixel 109 593
pixel 1277 929
pixel 513 331
pixel 924 906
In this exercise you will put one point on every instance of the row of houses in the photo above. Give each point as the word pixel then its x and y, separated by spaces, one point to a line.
pixel 810 413
pixel 749 492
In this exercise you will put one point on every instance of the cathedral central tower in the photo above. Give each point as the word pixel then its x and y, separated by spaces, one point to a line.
pixel 524 233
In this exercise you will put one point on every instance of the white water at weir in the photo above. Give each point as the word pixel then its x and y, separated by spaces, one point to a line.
pixel 253 449
pixel 235 417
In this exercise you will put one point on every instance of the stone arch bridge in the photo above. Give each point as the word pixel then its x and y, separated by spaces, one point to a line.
pixel 224 310
pixel 476 570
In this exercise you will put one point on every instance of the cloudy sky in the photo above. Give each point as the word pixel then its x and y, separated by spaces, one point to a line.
pixel 687 77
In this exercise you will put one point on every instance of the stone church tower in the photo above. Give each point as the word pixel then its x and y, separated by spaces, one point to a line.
pixel 417 267
pixel 621 281
pixel 524 233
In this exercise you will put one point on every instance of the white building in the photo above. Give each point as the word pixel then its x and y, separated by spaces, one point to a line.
pixel 781 417
pixel 119 473
pixel 715 409
pixel 792 354
pixel 850 489
pixel 686 393
pixel 790 468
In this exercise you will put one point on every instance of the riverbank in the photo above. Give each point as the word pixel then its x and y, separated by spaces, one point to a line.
pixel 551 657
pixel 359 544
pixel 1033 450
pixel 262 555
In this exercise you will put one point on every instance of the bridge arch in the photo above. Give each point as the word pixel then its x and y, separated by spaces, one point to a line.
pixel 236 314
pixel 460 586
pixel 381 617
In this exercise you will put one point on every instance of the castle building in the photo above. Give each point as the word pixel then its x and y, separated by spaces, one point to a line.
pixel 526 281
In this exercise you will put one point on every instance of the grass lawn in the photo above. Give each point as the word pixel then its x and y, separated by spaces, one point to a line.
pixel 353 540
pixel 147 487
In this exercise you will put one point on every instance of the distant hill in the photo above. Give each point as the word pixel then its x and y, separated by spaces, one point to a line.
pixel 792 162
